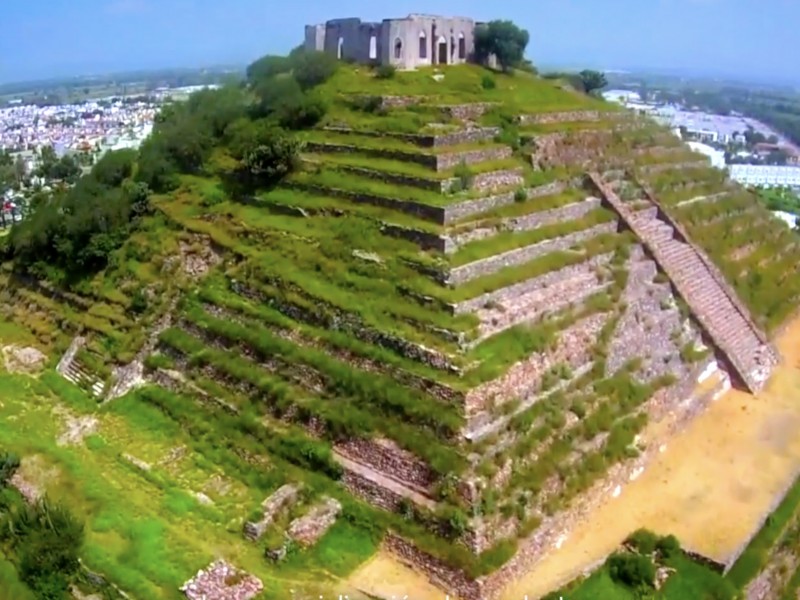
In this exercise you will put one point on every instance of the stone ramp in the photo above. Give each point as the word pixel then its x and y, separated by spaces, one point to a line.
pixel 712 303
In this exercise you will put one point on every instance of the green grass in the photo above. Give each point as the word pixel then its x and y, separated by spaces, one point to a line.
pixel 144 530
pixel 462 84
pixel 692 581
pixel 755 556
pixel 11 588
pixel 507 241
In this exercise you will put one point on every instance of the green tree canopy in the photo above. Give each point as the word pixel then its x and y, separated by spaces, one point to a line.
pixel 593 81
pixel 504 40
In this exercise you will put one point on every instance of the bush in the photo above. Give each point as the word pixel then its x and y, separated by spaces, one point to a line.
pixel 464 175
pixel 311 69
pixel 385 72
pixel 9 463
pixel 668 546
pixel 488 82
pixel 643 540
pixel 367 104
pixel 47 539
pixel 303 113
pixel 632 570
pixel 520 195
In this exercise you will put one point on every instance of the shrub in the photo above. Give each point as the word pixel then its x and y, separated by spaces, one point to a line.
pixel 520 195
pixel 305 112
pixel 668 546
pixel 385 72
pixel 464 175
pixel 632 570
pixel 643 540
pixel 311 69
pixel 9 463
pixel 488 82
pixel 367 104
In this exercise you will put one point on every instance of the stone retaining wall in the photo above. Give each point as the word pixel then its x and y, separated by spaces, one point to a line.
pixel 569 148
pixel 569 212
pixel 660 167
pixel 535 546
pixel 371 492
pixel 335 318
pixel 456 212
pixel 471 111
pixel 521 380
pixel 435 214
pixel 463 136
pixel 424 239
pixel 385 456
pixel 561 117
pixel 439 162
pixel 445 162
pixel 308 529
pixel 518 256
pixel 530 285
pixel 480 182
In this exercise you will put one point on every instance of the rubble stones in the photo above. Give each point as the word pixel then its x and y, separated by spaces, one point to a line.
pixel 222 581
pixel 309 528
pixel 23 360
pixel 283 497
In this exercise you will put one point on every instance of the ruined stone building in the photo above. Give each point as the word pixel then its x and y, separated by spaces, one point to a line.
pixel 407 43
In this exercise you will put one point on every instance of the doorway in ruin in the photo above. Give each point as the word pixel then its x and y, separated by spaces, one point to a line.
pixel 442 53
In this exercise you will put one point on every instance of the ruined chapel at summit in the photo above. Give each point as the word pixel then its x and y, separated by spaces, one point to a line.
pixel 406 43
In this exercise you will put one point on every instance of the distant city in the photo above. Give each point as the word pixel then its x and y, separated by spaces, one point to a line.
pixel 754 153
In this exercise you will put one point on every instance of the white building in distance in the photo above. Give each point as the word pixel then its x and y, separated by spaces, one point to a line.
pixel 717 157
pixel 766 175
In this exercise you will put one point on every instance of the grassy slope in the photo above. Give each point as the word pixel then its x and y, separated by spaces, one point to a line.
pixel 145 531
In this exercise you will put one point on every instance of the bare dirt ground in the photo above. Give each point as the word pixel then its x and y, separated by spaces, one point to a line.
pixel 711 486
pixel 383 576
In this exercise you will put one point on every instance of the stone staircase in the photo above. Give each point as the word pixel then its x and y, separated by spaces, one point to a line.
pixel 711 301
pixel 71 368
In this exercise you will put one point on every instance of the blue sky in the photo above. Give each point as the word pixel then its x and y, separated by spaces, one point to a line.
pixel 46 38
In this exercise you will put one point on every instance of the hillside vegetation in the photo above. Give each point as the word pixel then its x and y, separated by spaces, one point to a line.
pixel 335 264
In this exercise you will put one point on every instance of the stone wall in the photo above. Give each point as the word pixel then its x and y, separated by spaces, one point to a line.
pixel 541 282
pixel 518 256
pixel 569 148
pixel 466 112
pixel 534 547
pixel 522 379
pixel 369 491
pixel 385 456
pixel 283 497
pixel 463 136
pixel 435 214
pixel 327 315
pixel 562 117
pixel 447 161
pixel 497 179
pixel 424 239
pixel 456 212
pixel 661 167
pixel 439 162
pixel 308 529
pixel 527 222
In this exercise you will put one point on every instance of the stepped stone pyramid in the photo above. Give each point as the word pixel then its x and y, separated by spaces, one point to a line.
pixel 477 298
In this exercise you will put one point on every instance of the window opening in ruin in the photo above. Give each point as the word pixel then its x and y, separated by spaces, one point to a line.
pixel 340 48
pixel 398 48
pixel 452 48
pixel 462 46
pixel 442 44
pixel 423 45
pixel 373 47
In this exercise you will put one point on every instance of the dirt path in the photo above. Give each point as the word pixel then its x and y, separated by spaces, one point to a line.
pixel 383 576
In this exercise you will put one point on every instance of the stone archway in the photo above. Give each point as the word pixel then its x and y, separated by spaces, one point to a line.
pixel 441 51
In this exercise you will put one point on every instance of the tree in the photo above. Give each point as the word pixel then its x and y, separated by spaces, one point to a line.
pixel 270 161
pixel 311 69
pixel 504 40
pixel 266 68
pixel 593 81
